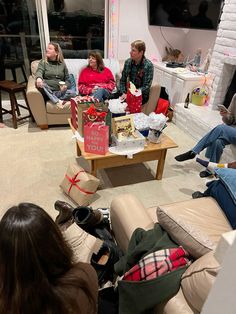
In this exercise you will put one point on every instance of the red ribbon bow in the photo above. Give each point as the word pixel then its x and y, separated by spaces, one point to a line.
pixel 74 182
pixel 94 113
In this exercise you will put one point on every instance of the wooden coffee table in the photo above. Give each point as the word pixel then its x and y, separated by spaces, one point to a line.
pixel 151 152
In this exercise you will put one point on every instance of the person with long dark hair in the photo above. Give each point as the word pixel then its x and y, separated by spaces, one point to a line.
pixel 37 271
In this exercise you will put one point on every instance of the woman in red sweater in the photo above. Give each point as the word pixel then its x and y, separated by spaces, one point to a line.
pixel 96 79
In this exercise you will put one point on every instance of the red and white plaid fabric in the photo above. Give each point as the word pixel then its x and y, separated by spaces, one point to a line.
pixel 158 263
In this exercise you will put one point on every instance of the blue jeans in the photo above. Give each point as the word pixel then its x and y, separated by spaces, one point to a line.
pixel 55 96
pixel 215 141
pixel 219 192
pixel 101 94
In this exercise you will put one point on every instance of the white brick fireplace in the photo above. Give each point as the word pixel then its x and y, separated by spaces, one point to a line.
pixel 198 120
pixel 222 66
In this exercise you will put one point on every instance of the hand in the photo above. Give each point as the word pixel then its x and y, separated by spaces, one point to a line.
pixel 63 88
pixel 223 112
pixel 39 82
pixel 95 88
pixel 123 97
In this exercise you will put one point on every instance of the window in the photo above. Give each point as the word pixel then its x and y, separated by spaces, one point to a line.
pixel 77 25
pixel 26 26
pixel 19 37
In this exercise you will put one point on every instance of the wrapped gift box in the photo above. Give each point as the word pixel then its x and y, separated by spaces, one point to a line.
pixel 136 140
pixel 78 107
pixel 79 185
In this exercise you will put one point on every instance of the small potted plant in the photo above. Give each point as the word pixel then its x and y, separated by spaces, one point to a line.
pixel 199 95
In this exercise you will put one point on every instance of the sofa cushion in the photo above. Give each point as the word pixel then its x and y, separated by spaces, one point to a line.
pixel 76 65
pixel 196 224
pixel 198 280
pixel 52 108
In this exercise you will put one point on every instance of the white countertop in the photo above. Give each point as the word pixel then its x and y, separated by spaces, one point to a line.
pixel 183 73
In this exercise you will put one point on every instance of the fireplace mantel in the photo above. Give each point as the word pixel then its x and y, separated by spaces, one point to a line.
pixel 230 60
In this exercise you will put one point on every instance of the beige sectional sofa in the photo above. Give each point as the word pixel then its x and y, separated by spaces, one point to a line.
pixel 196 224
pixel 49 114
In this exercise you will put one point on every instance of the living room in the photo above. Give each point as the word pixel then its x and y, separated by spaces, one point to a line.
pixel 34 162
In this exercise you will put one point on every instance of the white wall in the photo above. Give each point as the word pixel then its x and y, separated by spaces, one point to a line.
pixel 133 24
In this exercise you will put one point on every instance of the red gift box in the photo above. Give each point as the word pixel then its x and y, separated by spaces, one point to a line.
pixel 134 102
pixel 96 138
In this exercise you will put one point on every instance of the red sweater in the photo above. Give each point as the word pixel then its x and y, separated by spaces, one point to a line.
pixel 90 78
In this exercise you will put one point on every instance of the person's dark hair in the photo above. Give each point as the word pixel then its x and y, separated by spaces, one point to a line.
pixel 36 267
pixel 98 57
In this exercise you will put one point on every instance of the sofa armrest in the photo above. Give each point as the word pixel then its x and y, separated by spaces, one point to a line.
pixel 37 104
pixel 127 214
pixel 154 95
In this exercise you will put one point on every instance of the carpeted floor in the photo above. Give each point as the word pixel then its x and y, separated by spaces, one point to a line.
pixel 33 163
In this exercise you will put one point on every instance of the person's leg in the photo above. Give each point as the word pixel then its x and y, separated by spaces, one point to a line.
pixel 218 191
pixel 214 152
pixel 68 94
pixel 83 244
pixel 47 90
pixel 101 94
pixel 225 133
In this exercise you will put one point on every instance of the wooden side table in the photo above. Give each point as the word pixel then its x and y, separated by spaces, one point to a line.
pixel 13 65
pixel 12 88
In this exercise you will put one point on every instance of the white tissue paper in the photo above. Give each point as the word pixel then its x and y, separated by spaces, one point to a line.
pixel 116 106
pixel 157 121
pixel 141 121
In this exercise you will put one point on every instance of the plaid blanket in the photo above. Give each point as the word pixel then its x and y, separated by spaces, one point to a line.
pixel 158 263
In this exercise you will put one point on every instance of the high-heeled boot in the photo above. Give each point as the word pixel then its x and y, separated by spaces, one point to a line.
pixel 93 222
pixel 65 212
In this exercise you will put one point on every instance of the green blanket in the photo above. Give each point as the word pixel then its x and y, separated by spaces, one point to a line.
pixel 142 296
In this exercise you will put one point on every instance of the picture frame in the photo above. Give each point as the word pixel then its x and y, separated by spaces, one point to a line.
pixel 123 127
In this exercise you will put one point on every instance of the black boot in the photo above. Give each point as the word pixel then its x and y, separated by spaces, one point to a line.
pixel 93 222
pixel 65 212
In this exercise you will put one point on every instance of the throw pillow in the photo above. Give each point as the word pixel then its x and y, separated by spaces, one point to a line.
pixel 72 81
pixel 196 224
pixel 198 279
